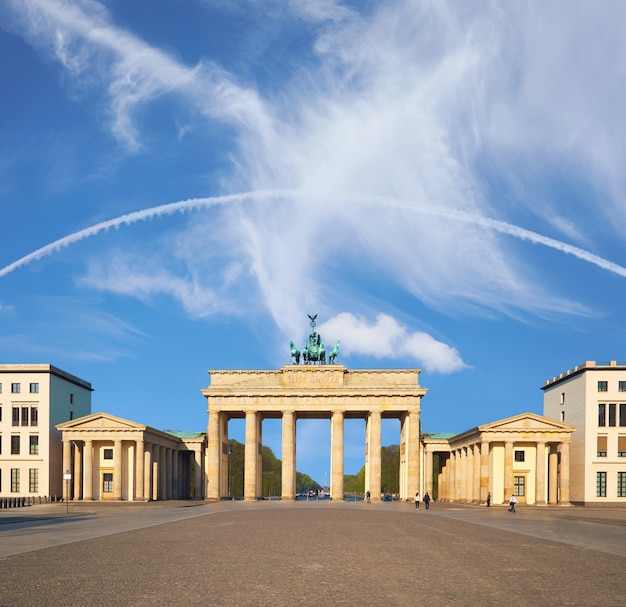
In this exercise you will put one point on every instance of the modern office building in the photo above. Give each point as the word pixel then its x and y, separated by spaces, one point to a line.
pixel 33 400
pixel 592 397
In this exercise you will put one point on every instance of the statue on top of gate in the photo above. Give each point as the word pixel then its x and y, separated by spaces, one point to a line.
pixel 314 349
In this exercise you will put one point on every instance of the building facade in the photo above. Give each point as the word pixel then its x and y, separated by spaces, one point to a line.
pixel 110 458
pixel 33 400
pixel 592 397
pixel 526 455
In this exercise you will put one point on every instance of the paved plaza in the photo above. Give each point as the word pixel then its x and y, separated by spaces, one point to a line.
pixel 308 553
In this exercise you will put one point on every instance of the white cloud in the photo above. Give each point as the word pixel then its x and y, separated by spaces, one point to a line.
pixel 387 338
pixel 132 276
pixel 420 101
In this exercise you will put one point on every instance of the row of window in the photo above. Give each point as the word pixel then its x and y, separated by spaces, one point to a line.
pixel 603 386
pixel 33 444
pixel 23 416
pixel 16 388
pixel 33 480
pixel 602 446
pixel 611 409
pixel 601 484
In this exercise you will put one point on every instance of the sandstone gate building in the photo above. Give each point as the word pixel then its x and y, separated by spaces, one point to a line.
pixel 313 391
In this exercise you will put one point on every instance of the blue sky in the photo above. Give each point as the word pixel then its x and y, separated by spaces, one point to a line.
pixel 182 182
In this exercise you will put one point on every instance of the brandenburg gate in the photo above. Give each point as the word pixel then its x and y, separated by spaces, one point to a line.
pixel 313 391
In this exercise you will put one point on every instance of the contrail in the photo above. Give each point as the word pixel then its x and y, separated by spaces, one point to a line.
pixel 198 203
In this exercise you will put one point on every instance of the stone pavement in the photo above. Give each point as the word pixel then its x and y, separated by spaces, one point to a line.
pixel 303 553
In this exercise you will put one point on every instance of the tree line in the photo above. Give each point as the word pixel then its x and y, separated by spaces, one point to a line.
pixel 272 473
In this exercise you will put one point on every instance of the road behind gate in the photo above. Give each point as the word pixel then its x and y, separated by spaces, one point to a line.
pixel 331 553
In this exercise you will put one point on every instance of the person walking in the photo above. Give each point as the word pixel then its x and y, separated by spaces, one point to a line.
pixel 512 503
pixel 488 499
pixel 368 496
pixel 426 500
pixel 417 501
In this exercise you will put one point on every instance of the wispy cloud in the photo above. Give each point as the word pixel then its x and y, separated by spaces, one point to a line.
pixel 423 109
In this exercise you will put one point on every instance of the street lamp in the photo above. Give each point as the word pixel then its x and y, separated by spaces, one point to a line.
pixel 230 452
pixel 68 477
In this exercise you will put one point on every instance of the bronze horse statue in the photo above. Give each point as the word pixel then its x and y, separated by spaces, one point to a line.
pixel 295 353
pixel 333 353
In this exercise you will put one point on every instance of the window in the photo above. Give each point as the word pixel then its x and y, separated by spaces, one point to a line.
pixel 622 414
pixel 621 484
pixel 108 454
pixel 519 484
pixel 15 388
pixel 562 416
pixel 600 484
pixel 33 447
pixel 621 386
pixel 612 415
pixel 15 444
pixel 601 450
pixel 603 386
pixel 34 388
pixel 71 415
pixel 33 480
pixel 519 456
pixel 107 482
pixel 34 416
pixel 601 414
pixel 621 446
pixel 24 416
pixel 71 399
pixel 0 388
pixel 15 480
pixel 562 397
pixel 16 416
pixel 0 413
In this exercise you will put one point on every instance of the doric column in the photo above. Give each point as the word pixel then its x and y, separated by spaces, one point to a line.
pixel 88 469
pixel 78 472
pixel 336 456
pixel 553 463
pixel 451 475
pixel 458 475
pixel 288 488
pixel 428 472
pixel 443 481
pixel 508 470
pixel 67 468
pixel 413 454
pixel 213 456
pixel 139 468
pixel 476 474
pixel 251 457
pixel 373 455
pixel 169 454
pixel 199 491
pixel 147 472
pixel 156 472
pixel 175 475
pixel 564 494
pixel 117 469
pixel 484 470
pixel 162 472
pixel 463 474
pixel 540 476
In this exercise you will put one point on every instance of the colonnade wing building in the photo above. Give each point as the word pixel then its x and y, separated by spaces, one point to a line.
pixel 320 392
